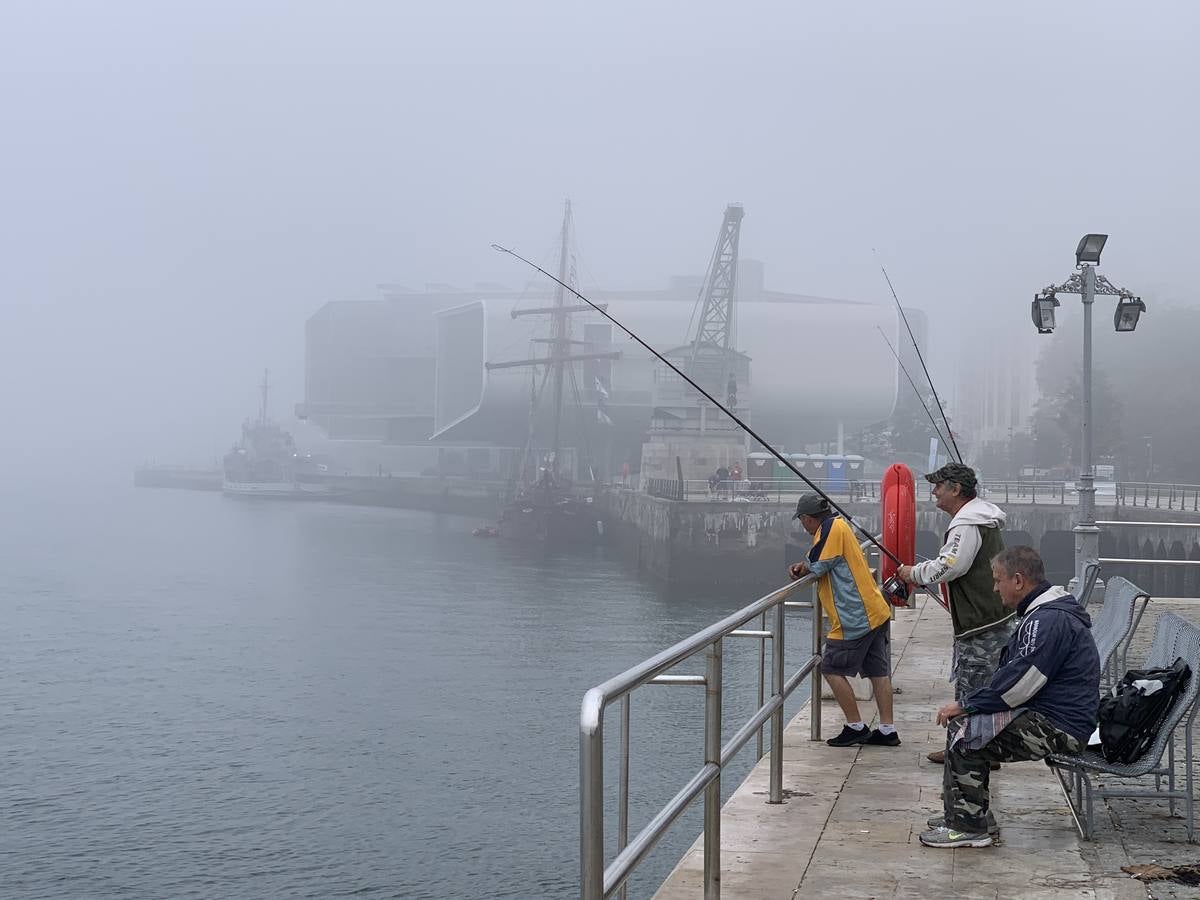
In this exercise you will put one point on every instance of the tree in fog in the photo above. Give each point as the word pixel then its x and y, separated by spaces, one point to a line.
pixel 1145 412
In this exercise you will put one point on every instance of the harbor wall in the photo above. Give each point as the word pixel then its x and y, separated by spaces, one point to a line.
pixel 723 544
pixel 710 544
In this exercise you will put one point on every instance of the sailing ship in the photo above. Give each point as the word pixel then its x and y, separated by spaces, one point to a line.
pixel 265 462
pixel 547 506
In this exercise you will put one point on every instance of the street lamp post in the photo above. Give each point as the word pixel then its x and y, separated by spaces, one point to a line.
pixel 1087 283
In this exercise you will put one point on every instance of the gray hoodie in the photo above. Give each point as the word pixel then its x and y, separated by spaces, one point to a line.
pixel 962 543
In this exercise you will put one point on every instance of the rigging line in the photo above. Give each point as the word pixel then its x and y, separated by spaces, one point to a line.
pixel 584 452
pixel 920 399
pixel 718 404
pixel 924 368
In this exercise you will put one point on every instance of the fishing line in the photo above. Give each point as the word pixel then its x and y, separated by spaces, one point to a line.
pixel 711 399
pixel 925 368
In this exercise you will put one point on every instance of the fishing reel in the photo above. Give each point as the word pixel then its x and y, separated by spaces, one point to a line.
pixel 895 589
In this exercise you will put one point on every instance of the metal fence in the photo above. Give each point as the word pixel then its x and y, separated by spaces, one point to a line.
pixel 1159 496
pixel 1182 497
pixel 598 880
pixel 777 490
pixel 667 488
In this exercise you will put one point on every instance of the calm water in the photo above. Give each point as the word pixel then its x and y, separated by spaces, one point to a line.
pixel 206 697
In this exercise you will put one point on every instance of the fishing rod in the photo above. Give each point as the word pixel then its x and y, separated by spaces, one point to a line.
pixel 924 368
pixel 920 399
pixel 713 400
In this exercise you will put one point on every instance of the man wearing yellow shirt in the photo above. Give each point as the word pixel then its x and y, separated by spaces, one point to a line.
pixel 858 639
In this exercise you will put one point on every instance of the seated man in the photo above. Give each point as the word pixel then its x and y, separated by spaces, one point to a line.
pixel 1043 698
pixel 859 618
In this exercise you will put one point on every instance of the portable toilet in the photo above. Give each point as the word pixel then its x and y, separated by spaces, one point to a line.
pixel 854 469
pixel 836 466
pixel 799 460
pixel 760 466
pixel 818 467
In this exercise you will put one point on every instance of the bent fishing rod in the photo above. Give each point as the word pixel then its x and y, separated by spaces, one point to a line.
pixel 920 399
pixel 924 368
pixel 713 400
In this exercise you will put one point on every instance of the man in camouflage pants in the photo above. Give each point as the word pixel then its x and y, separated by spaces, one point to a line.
pixel 1043 698
pixel 962 569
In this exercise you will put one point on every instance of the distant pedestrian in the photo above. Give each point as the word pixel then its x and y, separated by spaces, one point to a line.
pixel 962 568
pixel 722 480
pixel 859 634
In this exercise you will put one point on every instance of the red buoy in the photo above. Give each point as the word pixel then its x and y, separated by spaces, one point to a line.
pixel 899 517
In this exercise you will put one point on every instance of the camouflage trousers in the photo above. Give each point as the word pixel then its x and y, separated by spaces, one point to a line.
pixel 976 658
pixel 965 774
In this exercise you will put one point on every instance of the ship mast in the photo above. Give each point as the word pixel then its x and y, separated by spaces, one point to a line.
pixel 262 413
pixel 560 349
pixel 560 344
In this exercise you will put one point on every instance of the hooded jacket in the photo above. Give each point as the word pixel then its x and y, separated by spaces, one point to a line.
pixel 1050 665
pixel 964 568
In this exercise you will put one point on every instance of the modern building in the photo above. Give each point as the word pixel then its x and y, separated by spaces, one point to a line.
pixel 403 382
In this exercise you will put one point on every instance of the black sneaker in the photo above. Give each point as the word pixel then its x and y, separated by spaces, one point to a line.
pixel 879 739
pixel 850 736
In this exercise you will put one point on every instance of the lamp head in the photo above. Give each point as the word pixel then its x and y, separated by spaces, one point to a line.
pixel 1129 310
pixel 1042 311
pixel 1089 249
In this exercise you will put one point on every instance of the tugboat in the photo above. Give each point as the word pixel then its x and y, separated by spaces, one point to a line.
pixel 265 463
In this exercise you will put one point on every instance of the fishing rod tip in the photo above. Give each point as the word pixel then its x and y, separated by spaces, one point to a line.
pixel 501 249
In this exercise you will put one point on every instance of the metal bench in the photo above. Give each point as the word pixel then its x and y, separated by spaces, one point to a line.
pixel 1114 625
pixel 1173 637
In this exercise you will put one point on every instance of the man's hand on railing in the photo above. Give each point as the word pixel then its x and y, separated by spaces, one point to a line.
pixel 798 570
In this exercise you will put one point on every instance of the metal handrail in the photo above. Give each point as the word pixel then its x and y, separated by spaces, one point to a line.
pixel 1108 522
pixel 598 881
pixel 767 488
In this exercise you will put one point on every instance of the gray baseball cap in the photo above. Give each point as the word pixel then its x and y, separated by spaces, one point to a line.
pixel 811 505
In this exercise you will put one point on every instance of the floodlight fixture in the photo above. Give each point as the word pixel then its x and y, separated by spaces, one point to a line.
pixel 1089 249
pixel 1043 311
pixel 1129 310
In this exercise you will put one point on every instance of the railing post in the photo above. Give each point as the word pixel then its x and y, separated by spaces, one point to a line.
pixel 776 790
pixel 591 799
pixel 762 676
pixel 712 754
pixel 623 795
pixel 814 697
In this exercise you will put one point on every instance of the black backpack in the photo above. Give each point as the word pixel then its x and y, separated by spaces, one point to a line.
pixel 1130 719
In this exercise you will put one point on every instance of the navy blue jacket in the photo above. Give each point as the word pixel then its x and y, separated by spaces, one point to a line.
pixel 1050 665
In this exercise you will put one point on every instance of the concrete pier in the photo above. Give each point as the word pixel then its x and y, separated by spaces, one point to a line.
pixel 850 822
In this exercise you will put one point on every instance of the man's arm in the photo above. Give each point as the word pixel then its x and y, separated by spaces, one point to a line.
pixel 953 560
pixel 1038 658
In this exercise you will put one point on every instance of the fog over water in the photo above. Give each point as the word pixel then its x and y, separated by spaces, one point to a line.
pixel 185 184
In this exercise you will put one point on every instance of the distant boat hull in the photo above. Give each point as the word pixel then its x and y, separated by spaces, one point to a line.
pixel 280 490
pixel 567 523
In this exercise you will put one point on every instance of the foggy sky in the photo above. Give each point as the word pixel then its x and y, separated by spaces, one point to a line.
pixel 184 184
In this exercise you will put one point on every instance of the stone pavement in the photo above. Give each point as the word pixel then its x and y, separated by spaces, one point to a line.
pixel 849 825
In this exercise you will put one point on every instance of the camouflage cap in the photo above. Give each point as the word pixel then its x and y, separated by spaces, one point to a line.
pixel 811 505
pixel 955 473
